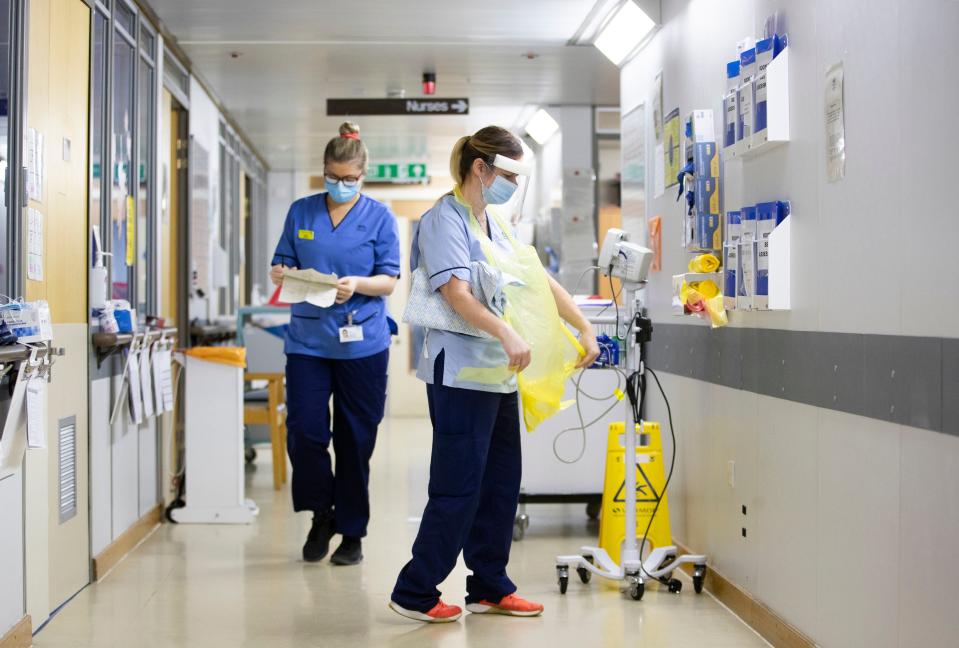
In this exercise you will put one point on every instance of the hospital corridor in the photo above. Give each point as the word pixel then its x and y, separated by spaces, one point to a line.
pixel 396 323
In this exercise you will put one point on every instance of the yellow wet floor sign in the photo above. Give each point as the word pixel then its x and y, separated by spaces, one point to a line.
pixel 650 480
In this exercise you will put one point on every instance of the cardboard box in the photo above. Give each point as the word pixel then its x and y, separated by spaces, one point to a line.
pixel 706 160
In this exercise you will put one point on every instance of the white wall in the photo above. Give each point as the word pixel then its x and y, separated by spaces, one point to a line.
pixel 848 517
pixel 205 131
pixel 12 607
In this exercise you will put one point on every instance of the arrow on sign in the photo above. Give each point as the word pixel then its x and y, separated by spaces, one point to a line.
pixel 460 106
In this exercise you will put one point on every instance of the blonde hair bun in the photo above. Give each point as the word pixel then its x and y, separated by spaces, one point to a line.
pixel 349 128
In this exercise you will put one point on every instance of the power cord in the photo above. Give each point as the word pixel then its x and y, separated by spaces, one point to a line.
pixel 579 413
pixel 669 475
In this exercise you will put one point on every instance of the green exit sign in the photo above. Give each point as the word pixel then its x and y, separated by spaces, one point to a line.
pixel 397 172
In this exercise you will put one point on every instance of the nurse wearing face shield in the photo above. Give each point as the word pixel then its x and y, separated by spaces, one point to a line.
pixel 471 385
pixel 344 232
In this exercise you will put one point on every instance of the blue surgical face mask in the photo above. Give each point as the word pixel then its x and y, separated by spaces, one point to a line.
pixel 499 192
pixel 340 193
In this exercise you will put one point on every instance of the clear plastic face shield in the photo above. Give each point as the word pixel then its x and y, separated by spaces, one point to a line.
pixel 505 182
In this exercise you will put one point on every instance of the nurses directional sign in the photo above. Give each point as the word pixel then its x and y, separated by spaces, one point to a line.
pixel 427 106
pixel 397 172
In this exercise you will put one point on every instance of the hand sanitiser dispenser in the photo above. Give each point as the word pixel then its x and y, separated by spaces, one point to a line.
pixel 98 282
pixel 98 274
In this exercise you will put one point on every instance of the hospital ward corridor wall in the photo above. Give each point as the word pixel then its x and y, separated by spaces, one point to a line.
pixel 213 586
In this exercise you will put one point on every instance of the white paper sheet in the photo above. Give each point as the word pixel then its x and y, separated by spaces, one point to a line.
pixel 310 286
pixel 134 394
pixel 36 434
pixel 13 443
pixel 34 245
pixel 835 124
pixel 659 161
pixel 146 382
pixel 163 379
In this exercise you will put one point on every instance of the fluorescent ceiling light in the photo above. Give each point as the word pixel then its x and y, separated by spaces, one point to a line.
pixel 624 32
pixel 541 126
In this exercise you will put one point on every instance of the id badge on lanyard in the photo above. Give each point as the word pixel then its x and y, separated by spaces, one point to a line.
pixel 351 332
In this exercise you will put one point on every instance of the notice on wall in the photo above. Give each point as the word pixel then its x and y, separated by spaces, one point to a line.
pixel 36 434
pixel 634 170
pixel 131 231
pixel 658 108
pixel 34 245
pixel 835 124
pixel 34 163
pixel 163 379
pixel 671 144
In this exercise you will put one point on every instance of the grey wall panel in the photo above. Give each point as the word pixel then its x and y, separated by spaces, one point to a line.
pixel 731 369
pixel 148 461
pixel 840 363
pixel 950 386
pixel 12 606
pixel 101 478
pixel 900 379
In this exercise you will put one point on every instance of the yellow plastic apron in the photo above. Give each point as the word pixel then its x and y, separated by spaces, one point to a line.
pixel 531 311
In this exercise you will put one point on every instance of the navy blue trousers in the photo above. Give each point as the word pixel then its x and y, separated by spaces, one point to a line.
pixel 358 388
pixel 473 493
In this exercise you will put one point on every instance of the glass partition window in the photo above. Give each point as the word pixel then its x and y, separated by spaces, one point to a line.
pixel 5 103
pixel 145 182
pixel 122 209
pixel 98 76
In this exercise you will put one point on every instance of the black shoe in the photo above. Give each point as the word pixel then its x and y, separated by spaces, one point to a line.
pixel 350 552
pixel 318 541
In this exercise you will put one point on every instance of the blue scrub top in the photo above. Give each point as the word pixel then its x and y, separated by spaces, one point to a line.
pixel 364 244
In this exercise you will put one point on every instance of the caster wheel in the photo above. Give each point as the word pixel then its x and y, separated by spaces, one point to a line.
pixel 675 586
pixel 584 574
pixel 699 577
pixel 592 510
pixel 562 577
pixel 636 591
pixel 250 455
pixel 520 524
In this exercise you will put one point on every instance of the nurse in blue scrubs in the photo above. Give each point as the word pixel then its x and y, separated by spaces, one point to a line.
pixel 341 351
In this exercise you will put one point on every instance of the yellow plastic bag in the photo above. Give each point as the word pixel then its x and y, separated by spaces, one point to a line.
pixel 233 356
pixel 700 296
pixel 704 263
pixel 531 311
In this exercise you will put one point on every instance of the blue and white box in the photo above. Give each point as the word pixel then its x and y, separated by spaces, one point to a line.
pixel 765 224
pixel 705 160
pixel 747 70
pixel 746 275
pixel 731 103
pixel 764 56
pixel 747 228
pixel 730 266
pixel 733 227
pixel 701 127
pixel 709 232
pixel 707 195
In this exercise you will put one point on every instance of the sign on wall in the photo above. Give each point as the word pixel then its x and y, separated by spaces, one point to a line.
pixel 431 106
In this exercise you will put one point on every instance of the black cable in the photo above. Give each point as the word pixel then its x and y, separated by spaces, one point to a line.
pixel 669 476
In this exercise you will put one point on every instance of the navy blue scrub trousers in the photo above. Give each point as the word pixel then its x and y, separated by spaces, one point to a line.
pixel 358 388
pixel 474 485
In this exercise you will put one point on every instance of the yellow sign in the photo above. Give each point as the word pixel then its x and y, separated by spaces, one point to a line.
pixel 131 231
pixel 306 234
pixel 650 482
pixel 671 147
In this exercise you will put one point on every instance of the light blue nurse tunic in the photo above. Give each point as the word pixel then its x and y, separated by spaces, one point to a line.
pixel 445 244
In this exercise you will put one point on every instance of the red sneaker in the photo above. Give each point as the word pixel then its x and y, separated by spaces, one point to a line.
pixel 441 613
pixel 511 605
